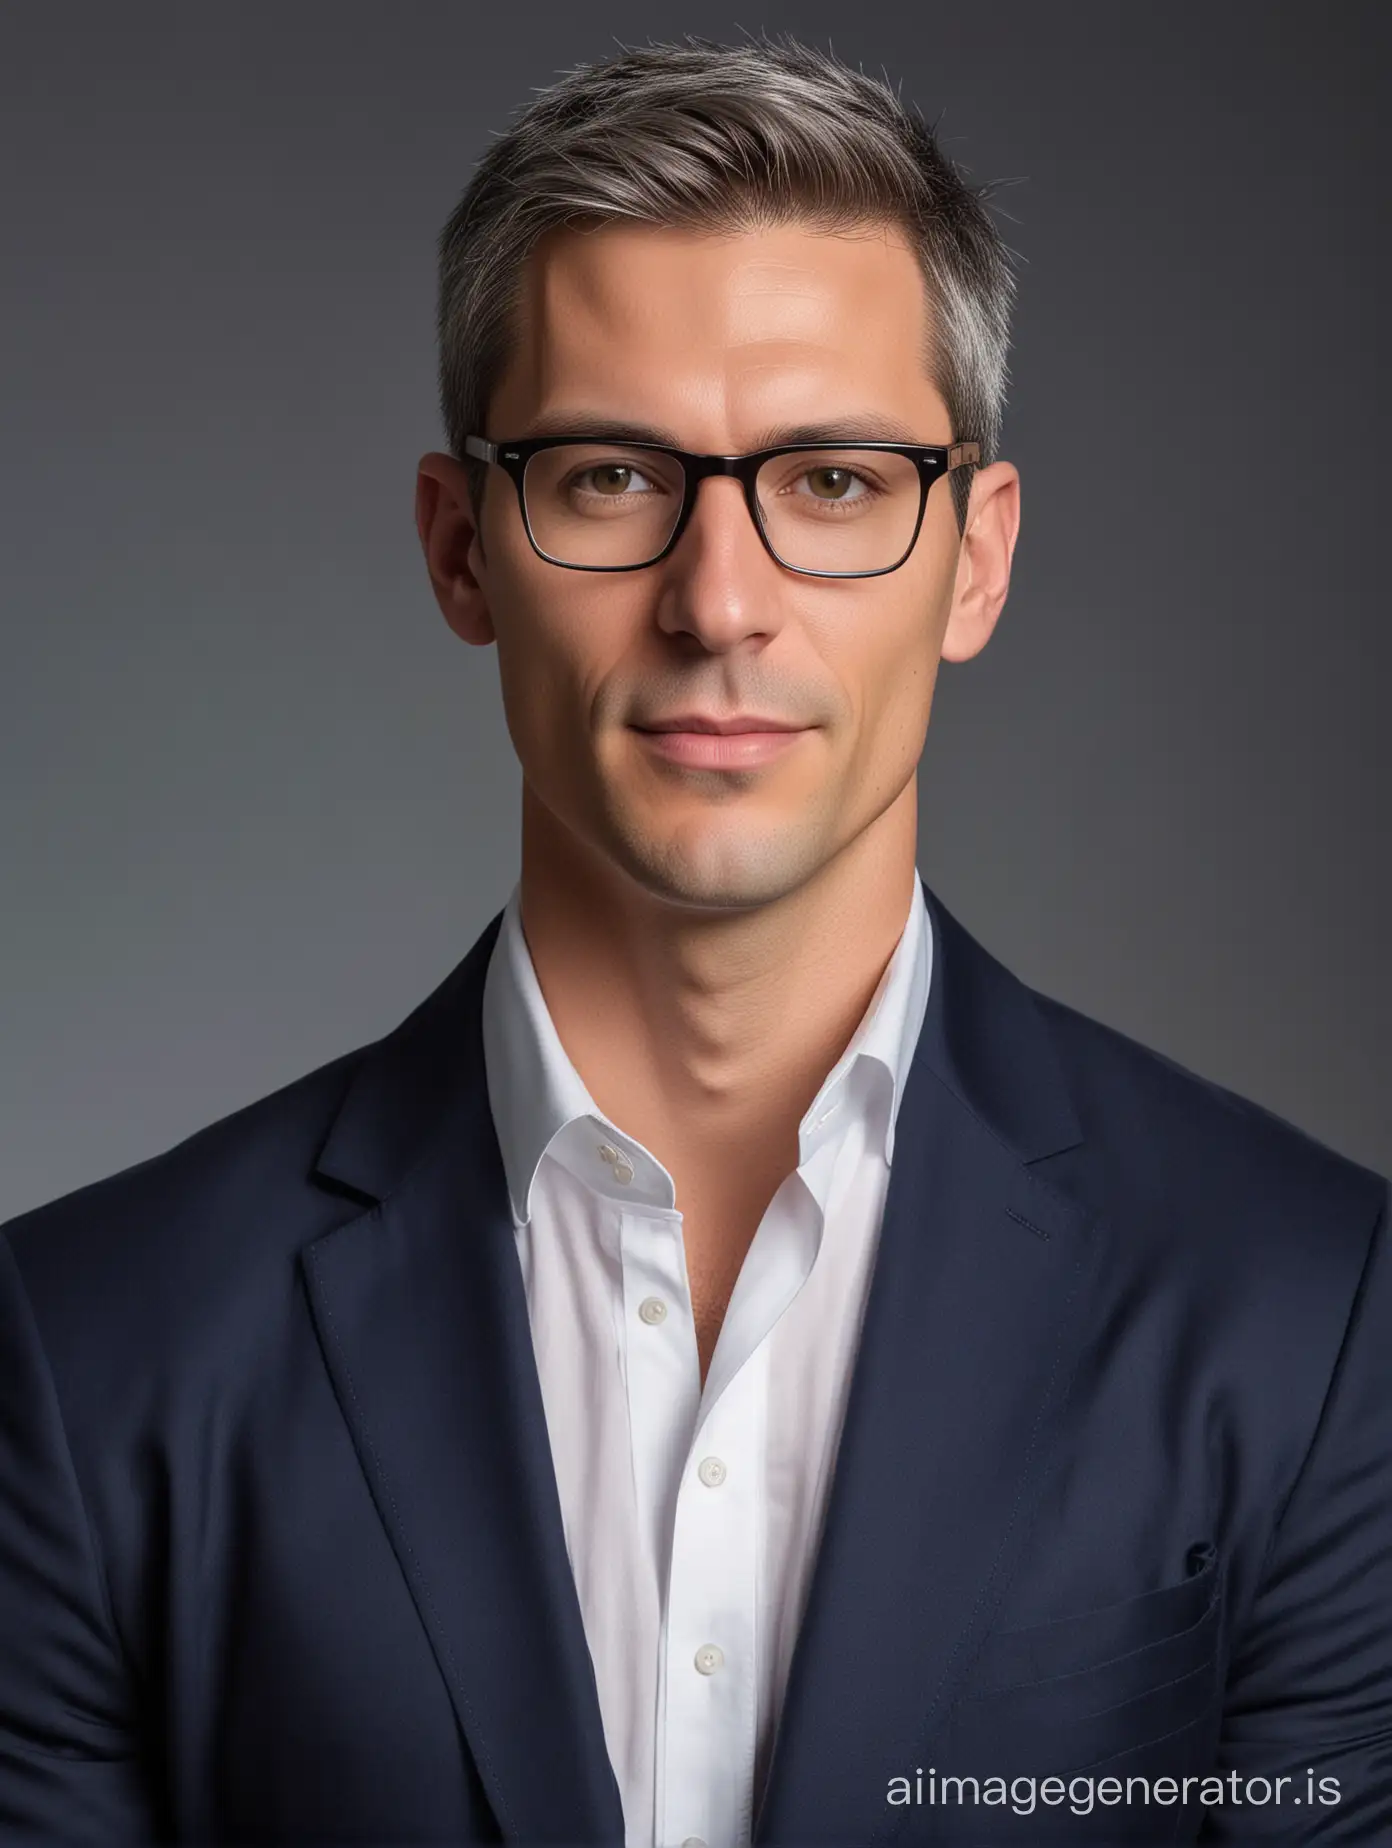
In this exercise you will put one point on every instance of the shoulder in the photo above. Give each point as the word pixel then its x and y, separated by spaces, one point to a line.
pixel 187 1264
pixel 138 1255
pixel 1180 1165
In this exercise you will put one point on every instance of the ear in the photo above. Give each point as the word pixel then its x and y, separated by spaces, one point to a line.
pixel 449 536
pixel 983 561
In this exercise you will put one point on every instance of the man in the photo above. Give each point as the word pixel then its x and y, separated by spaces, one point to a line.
pixel 734 1364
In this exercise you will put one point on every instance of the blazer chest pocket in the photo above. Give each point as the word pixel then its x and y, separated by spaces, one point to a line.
pixel 1059 1696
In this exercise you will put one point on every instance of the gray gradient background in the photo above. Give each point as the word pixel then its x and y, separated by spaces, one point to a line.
pixel 255 799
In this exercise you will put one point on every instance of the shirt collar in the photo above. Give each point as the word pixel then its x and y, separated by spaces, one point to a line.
pixel 541 1105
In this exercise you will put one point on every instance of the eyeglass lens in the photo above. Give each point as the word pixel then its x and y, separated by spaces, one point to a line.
pixel 840 511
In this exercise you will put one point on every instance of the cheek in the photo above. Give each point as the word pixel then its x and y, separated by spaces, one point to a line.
pixel 552 667
pixel 540 691
pixel 891 677
pixel 896 723
pixel 891 688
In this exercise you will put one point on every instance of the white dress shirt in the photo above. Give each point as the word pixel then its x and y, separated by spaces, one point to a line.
pixel 691 1515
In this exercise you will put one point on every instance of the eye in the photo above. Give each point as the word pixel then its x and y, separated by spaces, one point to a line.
pixel 612 480
pixel 829 482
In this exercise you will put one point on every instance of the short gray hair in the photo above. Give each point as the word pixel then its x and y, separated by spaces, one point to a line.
pixel 715 137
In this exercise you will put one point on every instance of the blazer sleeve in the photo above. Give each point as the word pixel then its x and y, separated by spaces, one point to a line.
pixel 1309 1694
pixel 70 1768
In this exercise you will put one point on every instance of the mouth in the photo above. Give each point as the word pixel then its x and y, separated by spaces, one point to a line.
pixel 733 744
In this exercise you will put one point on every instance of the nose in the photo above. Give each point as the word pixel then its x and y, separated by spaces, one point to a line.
pixel 719 582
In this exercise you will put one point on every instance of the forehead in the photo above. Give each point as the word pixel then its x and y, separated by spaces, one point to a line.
pixel 739 330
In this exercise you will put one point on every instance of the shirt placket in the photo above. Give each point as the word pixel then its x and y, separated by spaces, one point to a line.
pixel 663 1387
pixel 709 1688
pixel 695 1479
pixel 697 1468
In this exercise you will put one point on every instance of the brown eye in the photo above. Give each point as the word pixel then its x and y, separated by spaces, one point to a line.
pixel 611 479
pixel 830 483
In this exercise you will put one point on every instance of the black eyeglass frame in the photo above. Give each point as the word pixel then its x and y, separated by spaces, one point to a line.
pixel 933 460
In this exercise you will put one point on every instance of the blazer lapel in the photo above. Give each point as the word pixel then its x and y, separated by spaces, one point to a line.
pixel 422 1316
pixel 971 1329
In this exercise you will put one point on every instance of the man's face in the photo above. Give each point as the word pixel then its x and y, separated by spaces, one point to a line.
pixel 717 344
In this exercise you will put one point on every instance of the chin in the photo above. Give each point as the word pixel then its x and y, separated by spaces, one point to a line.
pixel 722 869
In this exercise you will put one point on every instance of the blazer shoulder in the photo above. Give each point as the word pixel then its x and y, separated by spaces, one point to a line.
pixel 219 1201
pixel 1161 1137
pixel 187 1264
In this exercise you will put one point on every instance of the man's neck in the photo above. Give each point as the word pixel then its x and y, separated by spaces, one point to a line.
pixel 706 1035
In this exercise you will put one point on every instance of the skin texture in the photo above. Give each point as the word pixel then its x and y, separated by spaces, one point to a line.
pixel 707 941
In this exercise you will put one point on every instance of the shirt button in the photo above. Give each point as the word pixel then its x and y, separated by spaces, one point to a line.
pixel 711 1471
pixel 652 1309
pixel 709 1657
pixel 618 1161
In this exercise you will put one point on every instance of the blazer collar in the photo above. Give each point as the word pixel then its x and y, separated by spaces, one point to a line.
pixel 536 1094
pixel 982 1036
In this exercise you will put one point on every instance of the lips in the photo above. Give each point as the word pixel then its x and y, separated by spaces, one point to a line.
pixel 721 728
pixel 702 743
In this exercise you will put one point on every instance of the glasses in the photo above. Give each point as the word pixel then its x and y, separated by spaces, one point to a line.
pixel 840 510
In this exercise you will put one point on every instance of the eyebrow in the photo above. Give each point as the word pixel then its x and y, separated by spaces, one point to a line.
pixel 858 429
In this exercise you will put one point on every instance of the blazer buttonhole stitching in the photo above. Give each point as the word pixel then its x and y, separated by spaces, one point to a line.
pixel 1029 1224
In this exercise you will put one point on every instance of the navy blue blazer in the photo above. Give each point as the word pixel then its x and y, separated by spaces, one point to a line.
pixel 281 1555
